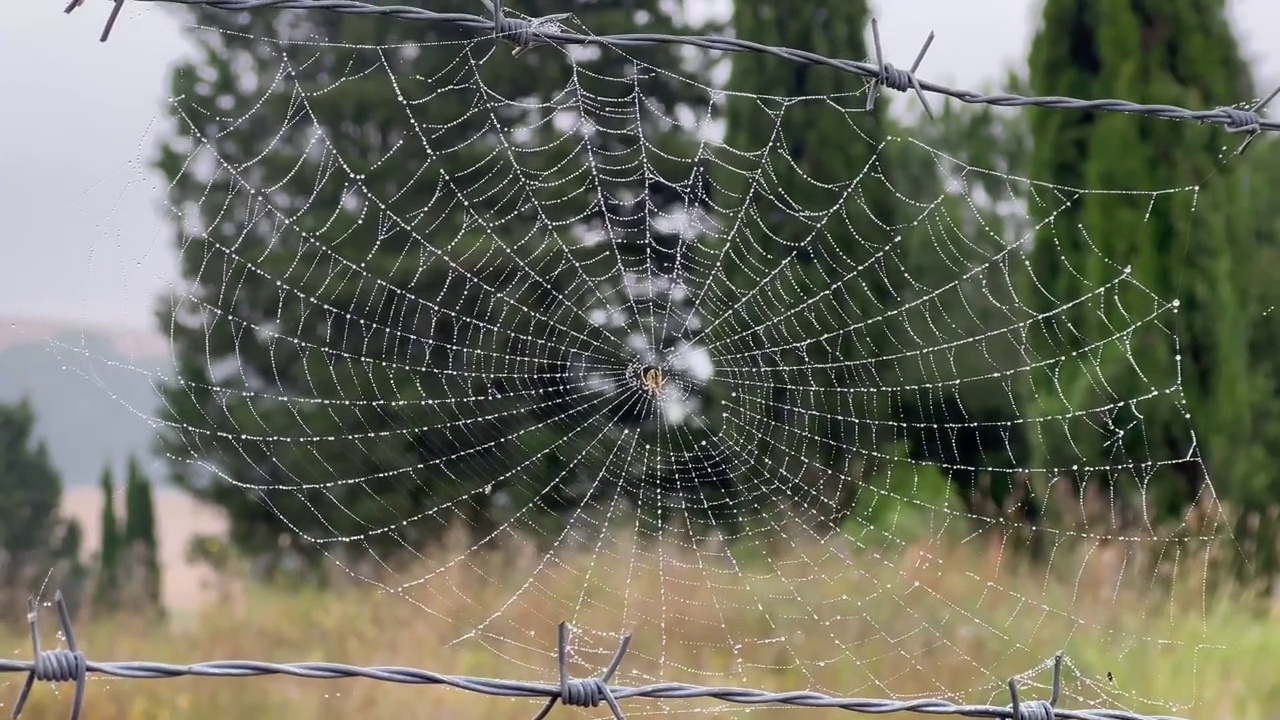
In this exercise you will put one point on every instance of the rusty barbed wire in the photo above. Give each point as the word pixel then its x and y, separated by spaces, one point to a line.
pixel 525 32
pixel 70 664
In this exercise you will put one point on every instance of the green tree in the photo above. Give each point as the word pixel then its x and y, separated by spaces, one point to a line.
pixel 31 529
pixel 111 549
pixel 389 325
pixel 1254 493
pixel 74 575
pixel 1112 251
pixel 142 565
pixel 964 260
pixel 825 227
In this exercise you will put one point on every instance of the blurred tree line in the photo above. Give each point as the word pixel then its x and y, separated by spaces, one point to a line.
pixel 41 550
pixel 411 302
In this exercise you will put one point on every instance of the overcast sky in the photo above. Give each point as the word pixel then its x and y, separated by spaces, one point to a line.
pixel 83 239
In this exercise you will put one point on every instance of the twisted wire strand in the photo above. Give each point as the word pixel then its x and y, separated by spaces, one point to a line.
pixel 527 32
pixel 141 670
pixel 70 665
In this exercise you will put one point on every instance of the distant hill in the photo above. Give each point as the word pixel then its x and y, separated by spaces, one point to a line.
pixel 91 388
pixel 126 341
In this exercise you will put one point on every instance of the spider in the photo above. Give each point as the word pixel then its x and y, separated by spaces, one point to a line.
pixel 651 379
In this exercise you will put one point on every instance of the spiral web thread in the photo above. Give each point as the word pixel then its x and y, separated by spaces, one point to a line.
pixel 554 336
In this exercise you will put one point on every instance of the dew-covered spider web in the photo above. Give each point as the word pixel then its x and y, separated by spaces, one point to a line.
pixel 522 341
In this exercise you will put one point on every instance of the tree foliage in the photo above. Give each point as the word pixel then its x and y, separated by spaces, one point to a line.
pixel 338 326
pixel 142 559
pixel 128 563
pixel 109 582
pixel 972 160
pixel 36 543
pixel 799 137
pixel 1115 250
pixel 389 234
pixel 892 241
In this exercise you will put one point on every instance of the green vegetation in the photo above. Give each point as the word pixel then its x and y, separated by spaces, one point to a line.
pixel 140 538
pixel 35 542
pixel 128 564
pixel 1116 249
pixel 414 342
pixel 110 549
pixel 806 230
pixel 460 335
pixel 41 551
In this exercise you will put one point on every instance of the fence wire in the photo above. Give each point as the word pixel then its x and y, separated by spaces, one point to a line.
pixel 70 665
pixel 526 32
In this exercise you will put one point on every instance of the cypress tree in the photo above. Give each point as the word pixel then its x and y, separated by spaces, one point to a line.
pixel 139 524
pixel 140 534
pixel 814 264
pixel 107 594
pixel 75 575
pixel 1117 378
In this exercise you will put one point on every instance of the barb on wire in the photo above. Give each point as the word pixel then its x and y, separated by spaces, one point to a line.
pixel 69 664
pixel 1248 121
pixel 893 78
pixel 589 692
pixel 59 665
pixel 1037 709
pixel 111 19
pixel 522 32
pixel 549 31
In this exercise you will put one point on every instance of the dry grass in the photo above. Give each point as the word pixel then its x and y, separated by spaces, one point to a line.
pixel 923 621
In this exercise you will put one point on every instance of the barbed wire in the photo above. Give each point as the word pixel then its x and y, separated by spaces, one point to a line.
pixel 69 664
pixel 526 32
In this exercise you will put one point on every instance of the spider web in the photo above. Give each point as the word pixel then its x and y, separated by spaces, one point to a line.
pixel 620 378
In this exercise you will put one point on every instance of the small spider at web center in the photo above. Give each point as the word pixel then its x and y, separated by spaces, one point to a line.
pixel 652 379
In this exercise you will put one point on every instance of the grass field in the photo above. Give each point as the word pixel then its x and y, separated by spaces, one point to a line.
pixel 927 623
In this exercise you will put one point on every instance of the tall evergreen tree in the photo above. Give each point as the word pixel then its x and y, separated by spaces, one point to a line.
pixel 74 575
pixel 376 334
pixel 111 548
pixel 809 412
pixel 141 549
pixel 1181 246
pixel 30 494
pixel 140 521
pixel 963 259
